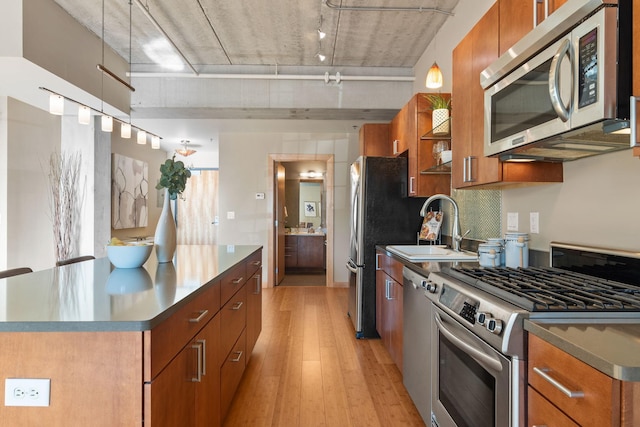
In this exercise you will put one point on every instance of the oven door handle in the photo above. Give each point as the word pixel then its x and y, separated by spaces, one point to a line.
pixel 476 354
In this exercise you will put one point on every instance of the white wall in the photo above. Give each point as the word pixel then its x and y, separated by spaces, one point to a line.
pixel 597 204
pixel 244 161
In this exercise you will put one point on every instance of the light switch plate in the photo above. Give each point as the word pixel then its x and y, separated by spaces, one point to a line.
pixel 534 222
pixel 231 215
pixel 512 221
pixel 27 391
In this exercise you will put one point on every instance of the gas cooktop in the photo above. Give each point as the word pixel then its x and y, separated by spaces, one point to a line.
pixel 552 289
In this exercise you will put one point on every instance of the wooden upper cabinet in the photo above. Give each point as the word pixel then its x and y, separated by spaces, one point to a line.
pixel 406 131
pixel 374 139
pixel 470 168
pixel 517 16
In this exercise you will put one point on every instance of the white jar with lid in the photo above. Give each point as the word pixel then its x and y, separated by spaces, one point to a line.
pixel 489 254
pixel 516 250
pixel 499 241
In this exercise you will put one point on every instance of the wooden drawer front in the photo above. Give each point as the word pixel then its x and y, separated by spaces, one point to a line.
pixel 599 406
pixel 542 413
pixel 231 374
pixel 391 266
pixel 232 281
pixel 163 342
pixel 233 320
pixel 254 263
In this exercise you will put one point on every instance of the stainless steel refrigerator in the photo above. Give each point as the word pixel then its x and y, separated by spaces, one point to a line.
pixel 381 213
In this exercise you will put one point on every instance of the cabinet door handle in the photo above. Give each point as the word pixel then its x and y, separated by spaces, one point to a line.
pixel 378 261
pixel 469 177
pixel 633 121
pixel 237 305
pixel 258 284
pixel 395 146
pixel 412 180
pixel 557 384
pixel 203 313
pixel 238 357
pixel 198 348
pixel 204 355
pixel 238 281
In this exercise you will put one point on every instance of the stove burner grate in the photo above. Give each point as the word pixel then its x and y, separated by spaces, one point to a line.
pixel 552 289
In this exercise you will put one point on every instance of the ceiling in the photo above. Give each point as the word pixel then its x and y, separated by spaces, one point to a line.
pixel 197 38
pixel 210 34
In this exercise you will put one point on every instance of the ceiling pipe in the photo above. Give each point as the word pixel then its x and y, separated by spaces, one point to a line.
pixel 159 28
pixel 387 9
pixel 338 77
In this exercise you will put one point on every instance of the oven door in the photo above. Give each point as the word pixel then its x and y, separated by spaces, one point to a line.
pixel 470 379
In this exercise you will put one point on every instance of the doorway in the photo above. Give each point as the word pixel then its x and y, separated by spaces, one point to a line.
pixel 321 226
pixel 197 209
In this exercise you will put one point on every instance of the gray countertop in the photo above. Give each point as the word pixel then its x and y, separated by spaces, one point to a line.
pixel 611 348
pixel 95 296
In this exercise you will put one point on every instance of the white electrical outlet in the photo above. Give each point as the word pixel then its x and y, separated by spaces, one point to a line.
pixel 512 221
pixel 534 222
pixel 259 196
pixel 27 391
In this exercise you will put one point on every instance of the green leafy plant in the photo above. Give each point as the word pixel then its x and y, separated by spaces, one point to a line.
pixel 173 177
pixel 438 101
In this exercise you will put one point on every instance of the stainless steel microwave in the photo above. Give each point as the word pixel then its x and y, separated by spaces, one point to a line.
pixel 568 97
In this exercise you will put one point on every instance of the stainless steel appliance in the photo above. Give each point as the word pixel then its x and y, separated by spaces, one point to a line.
pixel 478 355
pixel 563 91
pixel 381 213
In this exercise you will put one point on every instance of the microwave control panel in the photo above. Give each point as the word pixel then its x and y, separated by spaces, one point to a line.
pixel 588 69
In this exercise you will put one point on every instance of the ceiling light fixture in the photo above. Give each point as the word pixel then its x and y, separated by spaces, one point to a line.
pixel 185 151
pixel 84 114
pixel 56 104
pixel 125 130
pixel 107 123
pixel 321 57
pixel 311 174
pixel 141 137
pixel 321 34
pixel 434 77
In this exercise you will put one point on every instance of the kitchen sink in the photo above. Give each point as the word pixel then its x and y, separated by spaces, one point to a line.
pixel 431 253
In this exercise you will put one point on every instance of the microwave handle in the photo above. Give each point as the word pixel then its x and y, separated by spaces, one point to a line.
pixel 554 80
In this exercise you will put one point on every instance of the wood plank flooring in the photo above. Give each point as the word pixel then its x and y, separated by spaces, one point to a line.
pixel 308 369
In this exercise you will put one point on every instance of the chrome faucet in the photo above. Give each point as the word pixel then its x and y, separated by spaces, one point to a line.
pixel 456 237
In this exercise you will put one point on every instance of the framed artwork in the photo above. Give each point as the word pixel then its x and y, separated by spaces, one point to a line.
pixel 310 209
pixel 129 192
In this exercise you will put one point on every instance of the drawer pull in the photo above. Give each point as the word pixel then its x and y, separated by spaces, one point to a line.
pixel 237 359
pixel 258 284
pixel 237 305
pixel 238 281
pixel 256 263
pixel 198 348
pixel 204 355
pixel 203 313
pixel 569 393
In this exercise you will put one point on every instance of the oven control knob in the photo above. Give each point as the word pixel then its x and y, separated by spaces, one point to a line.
pixel 494 326
pixel 482 317
pixel 431 287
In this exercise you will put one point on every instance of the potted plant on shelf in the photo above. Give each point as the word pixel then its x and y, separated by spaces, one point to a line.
pixel 440 115
pixel 173 178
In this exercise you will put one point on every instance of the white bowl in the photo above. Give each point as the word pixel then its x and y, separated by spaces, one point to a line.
pixel 128 280
pixel 130 256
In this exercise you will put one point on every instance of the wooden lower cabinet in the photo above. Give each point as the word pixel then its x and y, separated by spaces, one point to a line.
pixel 186 392
pixel 254 310
pixel 306 253
pixel 389 309
pixel 605 401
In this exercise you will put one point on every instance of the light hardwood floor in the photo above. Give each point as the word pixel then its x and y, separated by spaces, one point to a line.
pixel 308 369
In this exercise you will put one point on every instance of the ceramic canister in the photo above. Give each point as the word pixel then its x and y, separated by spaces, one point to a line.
pixel 499 241
pixel 516 250
pixel 489 254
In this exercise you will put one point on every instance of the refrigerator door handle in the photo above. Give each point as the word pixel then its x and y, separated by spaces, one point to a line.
pixel 352 267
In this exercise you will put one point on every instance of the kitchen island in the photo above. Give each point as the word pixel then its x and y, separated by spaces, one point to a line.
pixel 131 347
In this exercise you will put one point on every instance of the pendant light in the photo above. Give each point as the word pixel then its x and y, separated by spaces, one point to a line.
pixel 155 142
pixel 84 115
pixel 107 123
pixel 125 130
pixel 142 137
pixel 434 77
pixel 56 104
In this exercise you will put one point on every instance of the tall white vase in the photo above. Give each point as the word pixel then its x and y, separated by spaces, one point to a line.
pixel 165 237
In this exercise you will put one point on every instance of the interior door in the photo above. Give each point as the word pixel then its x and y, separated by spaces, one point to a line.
pixel 279 209
pixel 197 211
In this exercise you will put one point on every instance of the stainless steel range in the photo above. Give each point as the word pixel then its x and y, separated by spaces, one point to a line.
pixel 478 356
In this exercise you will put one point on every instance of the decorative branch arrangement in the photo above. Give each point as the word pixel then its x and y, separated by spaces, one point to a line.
pixel 65 202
